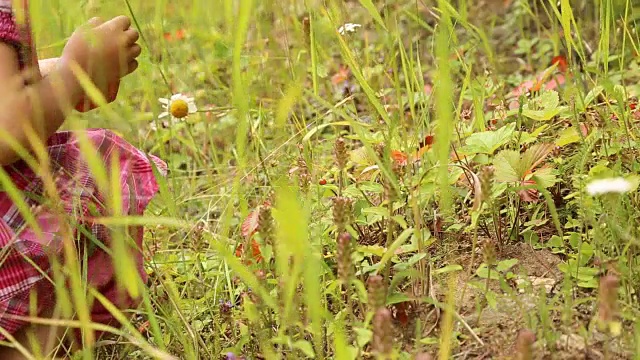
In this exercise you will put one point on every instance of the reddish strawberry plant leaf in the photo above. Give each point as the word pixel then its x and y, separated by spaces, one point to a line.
pixel 513 167
pixel 535 155
pixel 341 75
pixel 584 129
pixel 250 224
pixel 561 61
pixel 529 195
pixel 403 159
pixel 399 157
pixel 400 312
pixel 256 254
pixel 545 79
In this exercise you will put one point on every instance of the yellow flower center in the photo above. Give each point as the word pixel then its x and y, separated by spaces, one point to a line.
pixel 179 108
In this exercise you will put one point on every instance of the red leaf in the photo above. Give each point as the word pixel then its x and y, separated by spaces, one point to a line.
pixel 250 224
pixel 540 82
pixel 256 254
pixel 341 76
pixel 561 61
pixel 428 140
pixel 399 157
pixel 584 129
pixel 529 195
pixel 400 313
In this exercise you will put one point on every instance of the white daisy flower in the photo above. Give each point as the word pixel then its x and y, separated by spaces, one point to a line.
pixel 348 28
pixel 606 186
pixel 178 106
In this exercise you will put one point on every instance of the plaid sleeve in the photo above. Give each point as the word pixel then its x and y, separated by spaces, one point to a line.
pixel 8 29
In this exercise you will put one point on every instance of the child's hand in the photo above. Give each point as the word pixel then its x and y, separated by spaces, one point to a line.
pixel 107 51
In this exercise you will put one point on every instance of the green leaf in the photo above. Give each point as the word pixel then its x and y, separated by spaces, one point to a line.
pixel 375 250
pixel 543 107
pixel 371 187
pixel 448 269
pixel 545 177
pixel 404 236
pixel 483 272
pixel 363 336
pixel 361 156
pixel 429 341
pixel 305 347
pixel 376 210
pixel 505 265
pixel 487 142
pixel 492 300
pixel 568 136
pixel 507 166
pixel 396 298
pixel 556 242
pixel 510 166
pixel 589 284
pixel 634 180
pixel 592 95
pixel 528 138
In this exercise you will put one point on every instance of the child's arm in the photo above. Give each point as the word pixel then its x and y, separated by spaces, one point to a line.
pixel 43 106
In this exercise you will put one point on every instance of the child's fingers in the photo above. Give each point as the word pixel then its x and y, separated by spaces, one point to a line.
pixel 119 23
pixel 133 65
pixel 95 21
pixel 132 36
pixel 134 51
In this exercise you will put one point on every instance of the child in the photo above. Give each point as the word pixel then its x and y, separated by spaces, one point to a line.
pixel 40 100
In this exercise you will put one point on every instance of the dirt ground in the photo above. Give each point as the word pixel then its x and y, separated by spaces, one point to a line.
pixel 537 285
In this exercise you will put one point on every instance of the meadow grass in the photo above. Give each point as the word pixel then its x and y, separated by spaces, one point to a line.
pixel 400 208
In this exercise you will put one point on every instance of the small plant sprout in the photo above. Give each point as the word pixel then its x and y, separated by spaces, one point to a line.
pixel 609 186
pixel 348 28
pixel 179 106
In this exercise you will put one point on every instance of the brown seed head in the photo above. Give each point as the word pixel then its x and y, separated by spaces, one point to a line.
pixel 382 332
pixel 345 248
pixel 340 152
pixel 265 224
pixel 377 292
pixel 342 212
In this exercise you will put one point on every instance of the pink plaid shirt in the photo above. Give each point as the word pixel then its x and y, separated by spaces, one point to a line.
pixel 25 256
